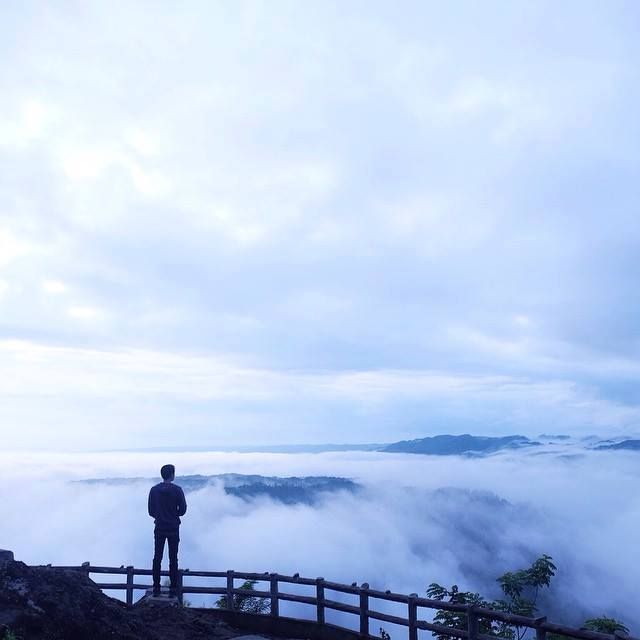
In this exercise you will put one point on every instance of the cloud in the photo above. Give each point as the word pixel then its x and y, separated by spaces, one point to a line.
pixel 419 519
pixel 54 287
pixel 26 125
pixel 11 247
pixel 331 203
pixel 97 394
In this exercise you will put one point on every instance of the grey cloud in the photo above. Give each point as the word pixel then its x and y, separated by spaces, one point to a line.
pixel 420 519
pixel 330 188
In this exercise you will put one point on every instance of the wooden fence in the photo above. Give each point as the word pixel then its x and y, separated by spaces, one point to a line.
pixel 363 612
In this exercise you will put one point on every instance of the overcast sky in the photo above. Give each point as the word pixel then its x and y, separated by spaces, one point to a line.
pixel 267 222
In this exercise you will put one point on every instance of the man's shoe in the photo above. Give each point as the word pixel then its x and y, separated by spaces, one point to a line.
pixel 173 592
pixel 156 591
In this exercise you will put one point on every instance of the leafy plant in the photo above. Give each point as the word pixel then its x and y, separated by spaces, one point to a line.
pixel 245 601
pixel 602 625
pixel 455 619
pixel 520 590
pixel 605 625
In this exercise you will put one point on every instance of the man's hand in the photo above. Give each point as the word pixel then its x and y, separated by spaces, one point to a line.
pixel 182 503
pixel 151 505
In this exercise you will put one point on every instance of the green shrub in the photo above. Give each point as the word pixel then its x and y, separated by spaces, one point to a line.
pixel 245 601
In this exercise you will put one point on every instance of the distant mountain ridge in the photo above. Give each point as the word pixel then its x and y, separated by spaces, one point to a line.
pixel 442 444
pixel 288 490
pixel 625 445
pixel 446 445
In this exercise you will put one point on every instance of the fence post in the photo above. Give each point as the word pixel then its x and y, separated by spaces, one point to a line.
pixel 275 608
pixel 541 634
pixel 364 609
pixel 472 623
pixel 86 567
pixel 180 581
pixel 230 590
pixel 413 616
pixel 129 585
pixel 320 600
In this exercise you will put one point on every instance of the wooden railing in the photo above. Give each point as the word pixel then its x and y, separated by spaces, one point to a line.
pixel 541 626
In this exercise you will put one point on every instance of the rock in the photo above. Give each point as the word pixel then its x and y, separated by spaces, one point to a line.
pixel 45 603
pixel 162 600
pixel 41 602
pixel 5 557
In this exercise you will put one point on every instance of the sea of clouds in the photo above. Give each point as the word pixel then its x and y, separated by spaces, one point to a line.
pixel 418 519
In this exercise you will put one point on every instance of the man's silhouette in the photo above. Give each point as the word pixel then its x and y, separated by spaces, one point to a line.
pixel 166 505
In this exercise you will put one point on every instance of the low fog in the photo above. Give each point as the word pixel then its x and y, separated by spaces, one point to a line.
pixel 417 520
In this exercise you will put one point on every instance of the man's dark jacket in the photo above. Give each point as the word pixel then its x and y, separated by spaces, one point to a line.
pixel 166 505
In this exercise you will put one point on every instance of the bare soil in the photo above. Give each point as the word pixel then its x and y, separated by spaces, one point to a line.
pixel 43 603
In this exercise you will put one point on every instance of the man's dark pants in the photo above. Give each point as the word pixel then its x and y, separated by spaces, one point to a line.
pixel 173 538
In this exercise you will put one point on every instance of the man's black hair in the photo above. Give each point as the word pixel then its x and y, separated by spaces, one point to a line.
pixel 168 472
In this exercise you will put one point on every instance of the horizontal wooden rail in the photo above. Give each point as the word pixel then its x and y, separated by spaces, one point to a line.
pixel 388 596
pixel 341 606
pixel 290 597
pixel 254 593
pixel 297 580
pixel 363 609
pixel 205 574
pixel 385 617
pixel 438 628
pixel 216 591
pixel 112 585
pixel 342 588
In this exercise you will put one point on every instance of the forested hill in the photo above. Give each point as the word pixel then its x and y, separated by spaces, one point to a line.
pixel 445 445
pixel 625 445
pixel 288 490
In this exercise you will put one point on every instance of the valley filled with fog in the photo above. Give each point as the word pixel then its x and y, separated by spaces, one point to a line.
pixel 412 520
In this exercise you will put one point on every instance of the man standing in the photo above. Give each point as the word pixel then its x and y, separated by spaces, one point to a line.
pixel 166 505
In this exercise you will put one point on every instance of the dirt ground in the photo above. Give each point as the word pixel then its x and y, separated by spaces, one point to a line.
pixel 43 603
